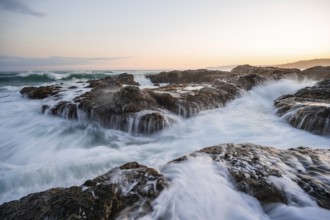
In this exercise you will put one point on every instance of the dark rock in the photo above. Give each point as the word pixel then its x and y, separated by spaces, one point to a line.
pixel 40 92
pixel 268 72
pixel 187 76
pixel 253 166
pixel 113 81
pixel 128 190
pixel 122 189
pixel 248 81
pixel 317 72
pixel 132 99
pixel 65 109
pixel 308 108
pixel 128 109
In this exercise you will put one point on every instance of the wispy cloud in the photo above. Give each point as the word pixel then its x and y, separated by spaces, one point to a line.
pixel 18 6
pixel 27 63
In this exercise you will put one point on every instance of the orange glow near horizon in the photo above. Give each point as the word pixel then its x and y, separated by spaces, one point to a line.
pixel 165 35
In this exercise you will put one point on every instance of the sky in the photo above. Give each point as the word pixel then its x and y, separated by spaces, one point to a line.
pixel 160 34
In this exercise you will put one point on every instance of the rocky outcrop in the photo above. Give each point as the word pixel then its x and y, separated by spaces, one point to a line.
pixel 177 99
pixel 116 102
pixel 308 108
pixel 262 172
pixel 317 72
pixel 269 72
pixel 113 81
pixel 128 188
pixel 40 92
pixel 187 76
pixel 128 109
pixel 254 169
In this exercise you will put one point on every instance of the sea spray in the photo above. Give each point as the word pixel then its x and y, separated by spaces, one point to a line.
pixel 202 189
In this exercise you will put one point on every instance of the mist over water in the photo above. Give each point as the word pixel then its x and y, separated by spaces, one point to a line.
pixel 40 151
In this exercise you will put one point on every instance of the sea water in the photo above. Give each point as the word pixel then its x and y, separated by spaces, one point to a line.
pixel 39 151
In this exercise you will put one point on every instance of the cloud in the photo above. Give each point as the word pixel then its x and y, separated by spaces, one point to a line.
pixel 27 63
pixel 18 6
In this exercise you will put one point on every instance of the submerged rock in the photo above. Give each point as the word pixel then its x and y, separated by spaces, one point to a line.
pixel 308 108
pixel 128 188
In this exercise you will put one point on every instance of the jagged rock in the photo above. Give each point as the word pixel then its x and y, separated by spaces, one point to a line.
pixel 308 108
pixel 317 72
pixel 116 103
pixel 128 190
pixel 40 92
pixel 122 189
pixel 187 103
pixel 65 109
pixel 253 167
pixel 129 109
pixel 113 81
pixel 248 81
pixel 269 72
pixel 187 76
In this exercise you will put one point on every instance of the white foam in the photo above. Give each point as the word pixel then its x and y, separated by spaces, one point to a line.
pixel 201 189
pixel 39 151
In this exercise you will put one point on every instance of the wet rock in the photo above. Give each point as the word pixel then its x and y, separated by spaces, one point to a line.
pixel 132 99
pixel 253 167
pixel 128 109
pixel 308 108
pixel 129 190
pixel 65 109
pixel 40 92
pixel 122 189
pixel 269 72
pixel 317 72
pixel 248 81
pixel 113 81
pixel 187 76
pixel 189 102
pixel 115 102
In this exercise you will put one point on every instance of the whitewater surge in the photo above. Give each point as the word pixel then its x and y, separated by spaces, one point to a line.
pixel 203 189
pixel 39 151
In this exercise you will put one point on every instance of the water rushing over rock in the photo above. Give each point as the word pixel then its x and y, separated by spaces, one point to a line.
pixel 117 102
pixel 308 108
pixel 296 177
pixel 101 198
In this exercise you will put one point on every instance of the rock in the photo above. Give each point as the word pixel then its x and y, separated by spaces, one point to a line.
pixel 187 76
pixel 115 102
pixel 132 99
pixel 253 167
pixel 113 81
pixel 189 102
pixel 40 92
pixel 308 108
pixel 122 189
pixel 129 109
pixel 65 109
pixel 248 81
pixel 268 72
pixel 317 73
pixel 129 190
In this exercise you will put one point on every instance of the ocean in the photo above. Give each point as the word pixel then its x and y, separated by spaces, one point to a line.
pixel 40 151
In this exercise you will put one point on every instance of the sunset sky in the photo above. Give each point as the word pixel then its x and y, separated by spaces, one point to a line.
pixel 160 34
